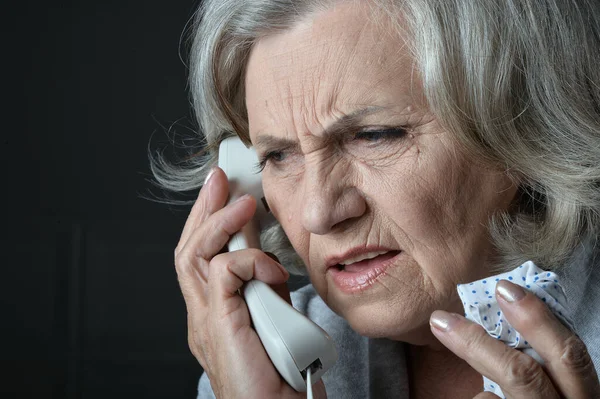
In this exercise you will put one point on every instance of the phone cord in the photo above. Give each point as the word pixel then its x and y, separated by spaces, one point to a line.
pixel 309 394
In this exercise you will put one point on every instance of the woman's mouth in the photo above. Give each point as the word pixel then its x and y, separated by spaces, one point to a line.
pixel 353 277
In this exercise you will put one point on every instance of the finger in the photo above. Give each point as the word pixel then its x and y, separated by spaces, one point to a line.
pixel 209 239
pixel 192 262
pixel 319 391
pixel 565 356
pixel 517 374
pixel 272 256
pixel 211 198
pixel 231 270
pixel 191 282
pixel 227 274
pixel 281 289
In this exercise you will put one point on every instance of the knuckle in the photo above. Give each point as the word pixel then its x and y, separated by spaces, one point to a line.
pixel 230 260
pixel 575 356
pixel 183 263
pixel 221 228
pixel 220 261
pixel 203 207
pixel 523 371
pixel 257 253
pixel 199 210
pixel 220 265
pixel 230 263
pixel 230 267
pixel 474 338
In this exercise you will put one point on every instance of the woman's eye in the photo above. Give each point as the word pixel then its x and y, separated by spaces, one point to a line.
pixel 270 156
pixel 381 134
pixel 276 157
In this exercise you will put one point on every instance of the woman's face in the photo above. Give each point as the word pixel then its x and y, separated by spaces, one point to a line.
pixel 357 166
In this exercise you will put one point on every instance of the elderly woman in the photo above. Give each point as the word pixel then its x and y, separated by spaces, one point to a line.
pixel 444 140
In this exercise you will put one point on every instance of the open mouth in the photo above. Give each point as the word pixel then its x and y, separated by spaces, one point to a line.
pixel 358 274
pixel 357 265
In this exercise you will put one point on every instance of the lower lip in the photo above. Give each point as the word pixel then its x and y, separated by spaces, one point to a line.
pixel 360 276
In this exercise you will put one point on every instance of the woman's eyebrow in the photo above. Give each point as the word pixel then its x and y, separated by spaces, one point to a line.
pixel 337 128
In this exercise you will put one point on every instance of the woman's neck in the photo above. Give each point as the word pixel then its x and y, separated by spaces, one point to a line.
pixel 440 374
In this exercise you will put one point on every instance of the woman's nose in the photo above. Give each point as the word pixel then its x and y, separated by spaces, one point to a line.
pixel 328 201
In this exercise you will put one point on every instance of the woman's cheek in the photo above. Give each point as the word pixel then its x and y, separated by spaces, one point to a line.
pixel 275 196
pixel 282 199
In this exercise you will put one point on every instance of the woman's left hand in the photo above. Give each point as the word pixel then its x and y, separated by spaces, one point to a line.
pixel 568 371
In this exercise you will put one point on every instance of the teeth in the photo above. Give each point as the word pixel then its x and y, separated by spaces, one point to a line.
pixel 368 255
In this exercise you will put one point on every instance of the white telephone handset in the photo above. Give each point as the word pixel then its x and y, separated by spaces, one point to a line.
pixel 294 343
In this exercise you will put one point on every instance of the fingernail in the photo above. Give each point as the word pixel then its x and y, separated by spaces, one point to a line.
pixel 276 259
pixel 209 175
pixel 272 256
pixel 283 270
pixel 443 321
pixel 510 292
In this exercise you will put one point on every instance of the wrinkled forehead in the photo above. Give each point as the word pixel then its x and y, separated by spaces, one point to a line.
pixel 329 65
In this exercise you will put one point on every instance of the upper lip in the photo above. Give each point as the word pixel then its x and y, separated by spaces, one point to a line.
pixel 335 260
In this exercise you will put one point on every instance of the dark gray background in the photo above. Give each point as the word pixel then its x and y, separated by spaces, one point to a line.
pixel 90 298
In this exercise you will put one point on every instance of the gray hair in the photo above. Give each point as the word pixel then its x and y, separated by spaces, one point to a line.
pixel 516 82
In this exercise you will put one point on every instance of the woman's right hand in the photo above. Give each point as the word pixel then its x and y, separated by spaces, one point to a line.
pixel 220 334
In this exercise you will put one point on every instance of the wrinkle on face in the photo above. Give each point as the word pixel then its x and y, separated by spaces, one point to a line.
pixel 418 194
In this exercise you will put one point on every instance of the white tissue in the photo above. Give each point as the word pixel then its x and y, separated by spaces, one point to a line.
pixel 479 302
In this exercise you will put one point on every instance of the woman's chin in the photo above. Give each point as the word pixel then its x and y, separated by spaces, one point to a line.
pixel 411 327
